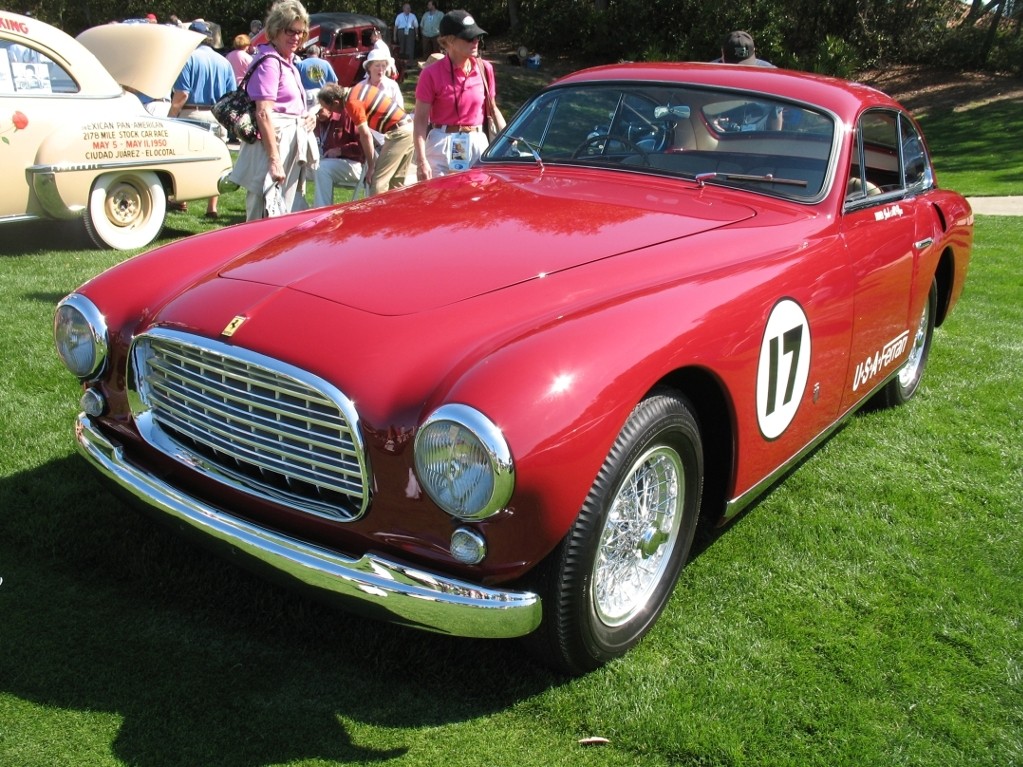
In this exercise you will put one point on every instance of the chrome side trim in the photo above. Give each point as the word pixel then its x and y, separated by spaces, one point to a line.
pixel 371 585
pixel 129 164
pixel 43 179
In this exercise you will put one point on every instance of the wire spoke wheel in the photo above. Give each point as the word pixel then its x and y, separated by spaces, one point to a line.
pixel 610 578
pixel 903 386
pixel 641 530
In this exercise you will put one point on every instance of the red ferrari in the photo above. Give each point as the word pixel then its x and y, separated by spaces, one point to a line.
pixel 500 403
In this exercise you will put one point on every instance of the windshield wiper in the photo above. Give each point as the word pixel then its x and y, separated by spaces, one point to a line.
pixel 768 178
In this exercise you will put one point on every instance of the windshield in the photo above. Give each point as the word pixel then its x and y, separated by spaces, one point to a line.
pixel 707 135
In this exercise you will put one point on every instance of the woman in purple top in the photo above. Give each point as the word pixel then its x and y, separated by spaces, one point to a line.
pixel 276 163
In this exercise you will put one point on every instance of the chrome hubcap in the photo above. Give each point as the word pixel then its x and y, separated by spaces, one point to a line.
pixel 125 205
pixel 910 370
pixel 639 535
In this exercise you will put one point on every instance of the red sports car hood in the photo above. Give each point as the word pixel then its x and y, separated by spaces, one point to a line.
pixel 462 236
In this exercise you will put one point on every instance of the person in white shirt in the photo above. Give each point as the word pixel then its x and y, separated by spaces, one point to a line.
pixel 406 29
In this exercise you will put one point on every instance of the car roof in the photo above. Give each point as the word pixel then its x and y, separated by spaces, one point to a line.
pixel 341 20
pixel 842 97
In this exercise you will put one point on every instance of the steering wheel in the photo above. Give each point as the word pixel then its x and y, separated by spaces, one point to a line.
pixel 608 138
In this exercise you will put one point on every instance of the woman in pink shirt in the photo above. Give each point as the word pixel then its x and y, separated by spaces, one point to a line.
pixel 450 97
pixel 240 57
pixel 275 164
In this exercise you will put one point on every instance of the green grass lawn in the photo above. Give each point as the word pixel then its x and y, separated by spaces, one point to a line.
pixel 865 612
pixel 978 152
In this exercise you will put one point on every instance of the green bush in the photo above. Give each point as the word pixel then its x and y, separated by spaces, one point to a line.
pixel 1007 55
pixel 835 56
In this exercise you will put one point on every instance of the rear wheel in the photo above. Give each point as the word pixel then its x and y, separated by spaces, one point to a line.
pixel 609 580
pixel 901 389
pixel 126 209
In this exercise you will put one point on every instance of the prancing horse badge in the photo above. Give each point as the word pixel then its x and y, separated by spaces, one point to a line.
pixel 233 325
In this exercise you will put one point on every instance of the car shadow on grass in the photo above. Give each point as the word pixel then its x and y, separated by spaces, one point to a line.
pixel 105 611
pixel 23 238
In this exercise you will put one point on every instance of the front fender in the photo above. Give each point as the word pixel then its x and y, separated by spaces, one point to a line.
pixel 562 392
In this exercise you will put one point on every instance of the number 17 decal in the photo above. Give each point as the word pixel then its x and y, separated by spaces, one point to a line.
pixel 783 368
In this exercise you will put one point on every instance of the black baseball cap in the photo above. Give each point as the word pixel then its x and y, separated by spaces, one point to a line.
pixel 461 24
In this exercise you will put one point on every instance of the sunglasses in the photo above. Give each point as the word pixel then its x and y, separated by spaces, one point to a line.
pixel 294 32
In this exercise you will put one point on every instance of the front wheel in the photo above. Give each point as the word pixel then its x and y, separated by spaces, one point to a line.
pixel 901 389
pixel 126 209
pixel 612 575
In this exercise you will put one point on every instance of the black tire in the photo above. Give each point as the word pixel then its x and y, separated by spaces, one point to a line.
pixel 610 578
pixel 902 387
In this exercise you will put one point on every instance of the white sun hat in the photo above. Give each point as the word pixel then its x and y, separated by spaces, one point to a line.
pixel 378 54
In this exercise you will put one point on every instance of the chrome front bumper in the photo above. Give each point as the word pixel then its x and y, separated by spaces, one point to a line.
pixel 371 585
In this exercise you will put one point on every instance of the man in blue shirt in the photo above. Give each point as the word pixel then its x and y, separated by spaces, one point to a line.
pixel 205 79
pixel 315 73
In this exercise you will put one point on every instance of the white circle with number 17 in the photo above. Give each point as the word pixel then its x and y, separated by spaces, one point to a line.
pixel 783 368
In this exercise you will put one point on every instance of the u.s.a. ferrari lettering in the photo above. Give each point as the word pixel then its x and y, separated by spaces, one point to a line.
pixel 873 366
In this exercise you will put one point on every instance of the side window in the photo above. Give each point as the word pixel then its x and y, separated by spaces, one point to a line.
pixel 26 71
pixel 348 40
pixel 876 163
pixel 916 164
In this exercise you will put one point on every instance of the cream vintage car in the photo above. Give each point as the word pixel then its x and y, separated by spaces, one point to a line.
pixel 88 146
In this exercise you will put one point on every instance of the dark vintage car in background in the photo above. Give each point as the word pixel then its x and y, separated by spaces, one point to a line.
pixel 346 39
pixel 499 403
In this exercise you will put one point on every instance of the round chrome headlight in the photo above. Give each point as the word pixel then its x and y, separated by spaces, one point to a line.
pixel 464 463
pixel 80 333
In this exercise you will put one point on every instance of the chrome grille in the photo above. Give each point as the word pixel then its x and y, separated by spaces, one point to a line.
pixel 250 421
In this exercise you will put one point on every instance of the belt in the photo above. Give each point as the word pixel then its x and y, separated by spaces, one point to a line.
pixel 198 107
pixel 400 124
pixel 460 128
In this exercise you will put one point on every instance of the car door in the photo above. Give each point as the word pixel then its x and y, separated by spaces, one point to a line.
pixel 346 56
pixel 881 231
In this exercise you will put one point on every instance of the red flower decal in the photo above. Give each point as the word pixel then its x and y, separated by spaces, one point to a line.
pixel 19 121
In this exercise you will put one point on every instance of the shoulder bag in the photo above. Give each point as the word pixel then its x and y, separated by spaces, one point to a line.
pixel 236 111
pixel 493 119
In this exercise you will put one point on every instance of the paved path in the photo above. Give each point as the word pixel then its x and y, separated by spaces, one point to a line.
pixel 997 206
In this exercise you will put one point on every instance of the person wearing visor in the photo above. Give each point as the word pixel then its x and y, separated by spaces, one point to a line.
pixel 450 99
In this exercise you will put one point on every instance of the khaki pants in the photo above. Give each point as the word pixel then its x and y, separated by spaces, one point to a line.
pixel 393 160
pixel 206 116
